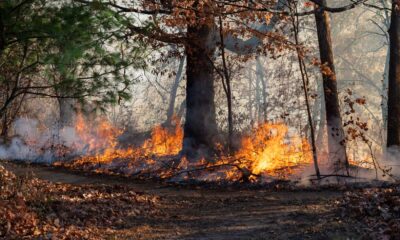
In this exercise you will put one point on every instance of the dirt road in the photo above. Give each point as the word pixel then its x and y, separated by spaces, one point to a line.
pixel 220 214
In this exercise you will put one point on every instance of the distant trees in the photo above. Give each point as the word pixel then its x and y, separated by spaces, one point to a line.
pixel 173 91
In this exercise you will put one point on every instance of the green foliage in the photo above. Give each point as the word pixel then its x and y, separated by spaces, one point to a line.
pixel 76 50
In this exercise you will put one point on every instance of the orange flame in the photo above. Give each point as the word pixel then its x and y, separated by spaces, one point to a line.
pixel 267 150
pixel 102 141
pixel 103 137
pixel 164 142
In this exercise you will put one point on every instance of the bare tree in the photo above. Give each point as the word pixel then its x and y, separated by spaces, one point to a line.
pixel 336 137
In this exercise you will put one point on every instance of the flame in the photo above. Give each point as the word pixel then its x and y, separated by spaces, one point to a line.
pixel 163 141
pixel 101 142
pixel 103 137
pixel 267 150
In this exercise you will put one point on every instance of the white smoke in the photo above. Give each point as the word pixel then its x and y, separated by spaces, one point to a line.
pixel 33 144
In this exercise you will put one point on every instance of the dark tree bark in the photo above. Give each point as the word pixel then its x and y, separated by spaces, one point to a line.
pixel 393 128
pixel 336 137
pixel 200 130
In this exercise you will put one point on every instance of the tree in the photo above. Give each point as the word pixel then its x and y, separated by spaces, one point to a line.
pixel 173 92
pixel 262 111
pixel 84 63
pixel 56 50
pixel 393 127
pixel 192 25
pixel 199 40
pixel 336 136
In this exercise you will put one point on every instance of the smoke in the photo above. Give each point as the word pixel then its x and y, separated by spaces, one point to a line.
pixel 374 168
pixel 380 165
pixel 389 164
pixel 34 143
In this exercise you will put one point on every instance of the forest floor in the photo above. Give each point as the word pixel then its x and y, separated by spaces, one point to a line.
pixel 181 213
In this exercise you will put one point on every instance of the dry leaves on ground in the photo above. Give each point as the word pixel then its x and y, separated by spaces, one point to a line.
pixel 378 208
pixel 35 209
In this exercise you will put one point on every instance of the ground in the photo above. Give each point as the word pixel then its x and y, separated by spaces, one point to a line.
pixel 198 213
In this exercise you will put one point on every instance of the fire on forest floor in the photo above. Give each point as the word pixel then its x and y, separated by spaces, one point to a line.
pixel 266 152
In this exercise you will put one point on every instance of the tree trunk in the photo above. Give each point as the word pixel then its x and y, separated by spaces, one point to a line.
pixel 384 97
pixel 393 128
pixel 320 108
pixel 336 137
pixel 2 37
pixel 200 130
pixel 181 109
pixel 67 107
pixel 261 77
pixel 250 98
pixel 258 99
pixel 174 90
pixel 226 78
pixel 4 125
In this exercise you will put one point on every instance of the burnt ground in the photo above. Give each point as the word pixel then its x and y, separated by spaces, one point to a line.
pixel 198 213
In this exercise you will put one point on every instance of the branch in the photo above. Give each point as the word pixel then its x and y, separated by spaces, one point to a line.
pixel 337 9
pixel 377 7
pixel 158 34
pixel 248 46
pixel 129 9
pixel 52 95
pixel 305 13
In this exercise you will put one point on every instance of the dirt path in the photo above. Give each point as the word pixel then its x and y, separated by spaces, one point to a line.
pixel 220 214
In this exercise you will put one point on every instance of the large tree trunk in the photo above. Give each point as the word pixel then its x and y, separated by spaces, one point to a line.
pixel 200 130
pixel 336 137
pixel 393 128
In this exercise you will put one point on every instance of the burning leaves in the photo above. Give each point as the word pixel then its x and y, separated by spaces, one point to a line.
pixel 269 151
pixel 266 152
pixel 102 142
pixel 163 141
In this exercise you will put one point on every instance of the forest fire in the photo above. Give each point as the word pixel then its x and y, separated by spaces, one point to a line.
pixel 285 105
pixel 100 145
pixel 266 151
